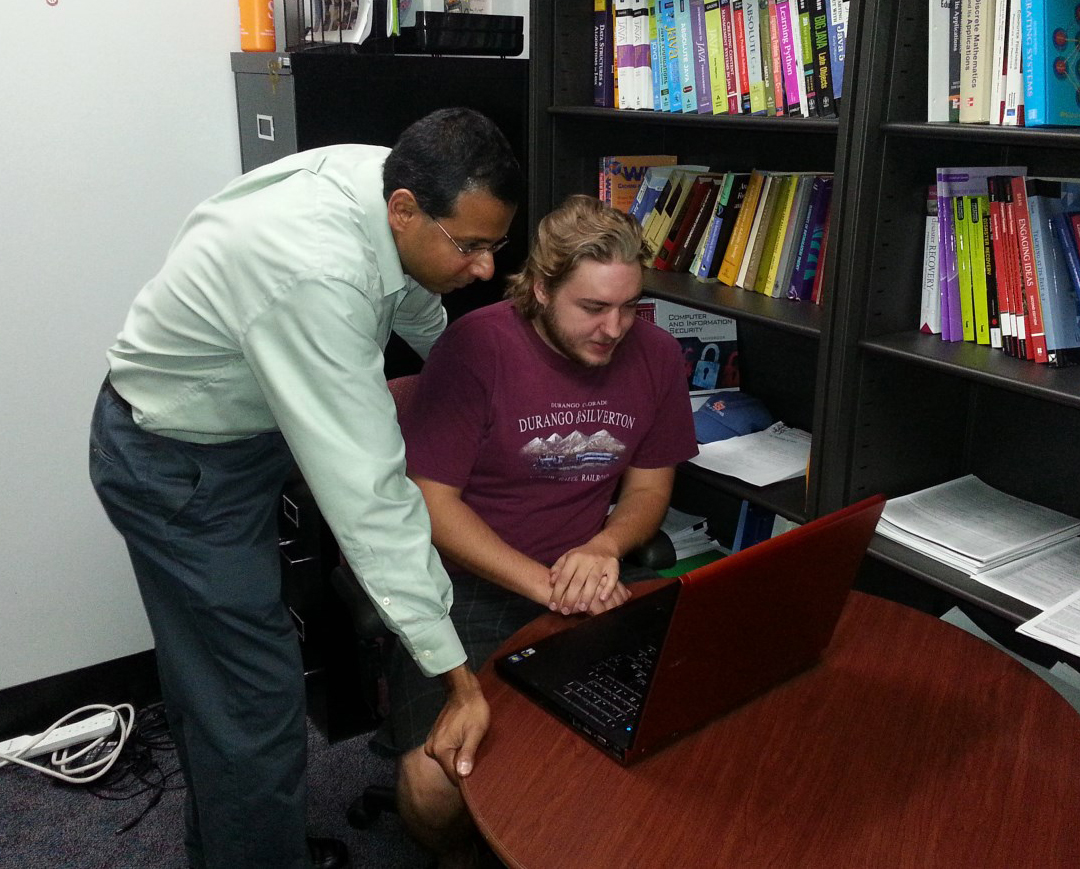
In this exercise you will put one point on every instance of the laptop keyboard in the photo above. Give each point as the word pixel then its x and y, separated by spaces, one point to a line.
pixel 612 692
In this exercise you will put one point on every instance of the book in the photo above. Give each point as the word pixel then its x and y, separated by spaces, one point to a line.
pixel 752 41
pixel 670 39
pixel 668 208
pixel 656 60
pixel 740 29
pixel 774 235
pixel 765 45
pixel 706 246
pixel 623 176
pixel 733 253
pixel 714 41
pixel 929 304
pixel 799 53
pixel 1066 227
pixel 685 249
pixel 962 231
pixel 812 234
pixel 756 239
pixel 976 57
pixel 1036 332
pixel 603 53
pixel 774 58
pixel 998 66
pixel 1051 80
pixel 731 64
pixel 807 42
pixel 952 182
pixel 792 232
pixel 790 60
pixel 687 74
pixel 1017 302
pixel 937 62
pixel 980 303
pixel 837 12
pixel 642 62
pixel 731 200
pixel 1048 197
pixel 1000 253
pixel 823 77
pixel 993 311
pixel 700 54
pixel 624 53
pixel 1014 77
pixel 652 183
pixel 956 31
pixel 701 195
pixel 818 288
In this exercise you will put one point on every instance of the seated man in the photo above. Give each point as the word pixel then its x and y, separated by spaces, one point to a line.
pixel 528 417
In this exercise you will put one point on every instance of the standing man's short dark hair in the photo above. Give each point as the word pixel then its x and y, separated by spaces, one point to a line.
pixel 256 346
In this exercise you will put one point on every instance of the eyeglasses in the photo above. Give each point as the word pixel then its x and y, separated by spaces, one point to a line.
pixel 474 250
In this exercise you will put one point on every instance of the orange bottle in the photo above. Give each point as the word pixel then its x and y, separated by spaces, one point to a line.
pixel 257 25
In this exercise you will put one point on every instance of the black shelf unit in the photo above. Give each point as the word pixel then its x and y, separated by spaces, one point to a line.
pixel 917 411
pixel 782 344
pixel 891 410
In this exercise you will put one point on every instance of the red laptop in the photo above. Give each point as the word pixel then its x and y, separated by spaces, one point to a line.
pixel 643 674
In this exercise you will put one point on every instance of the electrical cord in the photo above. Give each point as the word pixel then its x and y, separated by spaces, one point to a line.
pixel 64 764
pixel 117 766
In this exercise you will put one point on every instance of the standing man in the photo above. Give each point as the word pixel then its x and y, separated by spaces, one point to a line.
pixel 529 419
pixel 259 343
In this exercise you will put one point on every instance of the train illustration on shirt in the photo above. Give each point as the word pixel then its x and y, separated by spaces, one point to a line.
pixel 573 452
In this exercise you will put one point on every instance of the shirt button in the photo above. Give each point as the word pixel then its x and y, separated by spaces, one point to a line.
pixel 386 601
pixel 427 653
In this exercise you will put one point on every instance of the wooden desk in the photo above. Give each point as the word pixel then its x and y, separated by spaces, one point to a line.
pixel 912 744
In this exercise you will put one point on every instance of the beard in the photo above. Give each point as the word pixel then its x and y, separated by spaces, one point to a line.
pixel 564 343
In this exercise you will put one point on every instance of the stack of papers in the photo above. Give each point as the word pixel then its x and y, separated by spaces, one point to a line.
pixel 762 458
pixel 689 534
pixel 971 526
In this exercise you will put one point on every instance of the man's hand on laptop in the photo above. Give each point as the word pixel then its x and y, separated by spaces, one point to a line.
pixel 586 579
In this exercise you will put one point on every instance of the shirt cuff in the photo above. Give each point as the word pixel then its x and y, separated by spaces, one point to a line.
pixel 436 649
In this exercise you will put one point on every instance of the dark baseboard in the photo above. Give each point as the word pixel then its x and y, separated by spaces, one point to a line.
pixel 32 707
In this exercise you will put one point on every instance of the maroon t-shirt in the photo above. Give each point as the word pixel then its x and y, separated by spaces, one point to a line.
pixel 538 442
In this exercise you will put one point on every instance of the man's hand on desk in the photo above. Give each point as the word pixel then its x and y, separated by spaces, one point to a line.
pixel 461 724
pixel 586 579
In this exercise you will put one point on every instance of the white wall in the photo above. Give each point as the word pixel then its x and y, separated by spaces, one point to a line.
pixel 116 118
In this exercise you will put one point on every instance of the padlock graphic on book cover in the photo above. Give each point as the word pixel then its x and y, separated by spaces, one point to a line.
pixel 708 367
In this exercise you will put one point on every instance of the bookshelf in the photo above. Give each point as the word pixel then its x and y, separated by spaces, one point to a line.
pixel 891 410
pixel 916 410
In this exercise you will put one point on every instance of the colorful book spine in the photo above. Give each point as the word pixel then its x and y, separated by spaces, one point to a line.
pixel 765 43
pixel 823 79
pixel 670 36
pixel 661 102
pixel 687 76
pixel 603 41
pixel 731 63
pixel 714 39
pixel 739 28
pixel 1051 83
pixel 977 254
pixel 700 54
pixel 776 69
pixel 807 41
pixel 789 64
pixel 807 258
pixel 956 38
pixel 1036 331
pixel 752 40
pixel 837 11
pixel 733 254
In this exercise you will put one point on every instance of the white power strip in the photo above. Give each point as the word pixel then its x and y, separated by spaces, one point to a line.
pixel 101 724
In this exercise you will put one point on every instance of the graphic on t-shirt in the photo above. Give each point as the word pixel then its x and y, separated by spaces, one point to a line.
pixel 573 452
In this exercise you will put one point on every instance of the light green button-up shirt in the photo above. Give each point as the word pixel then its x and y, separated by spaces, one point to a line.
pixel 271 312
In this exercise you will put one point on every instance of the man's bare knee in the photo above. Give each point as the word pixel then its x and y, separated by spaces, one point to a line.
pixel 430 804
